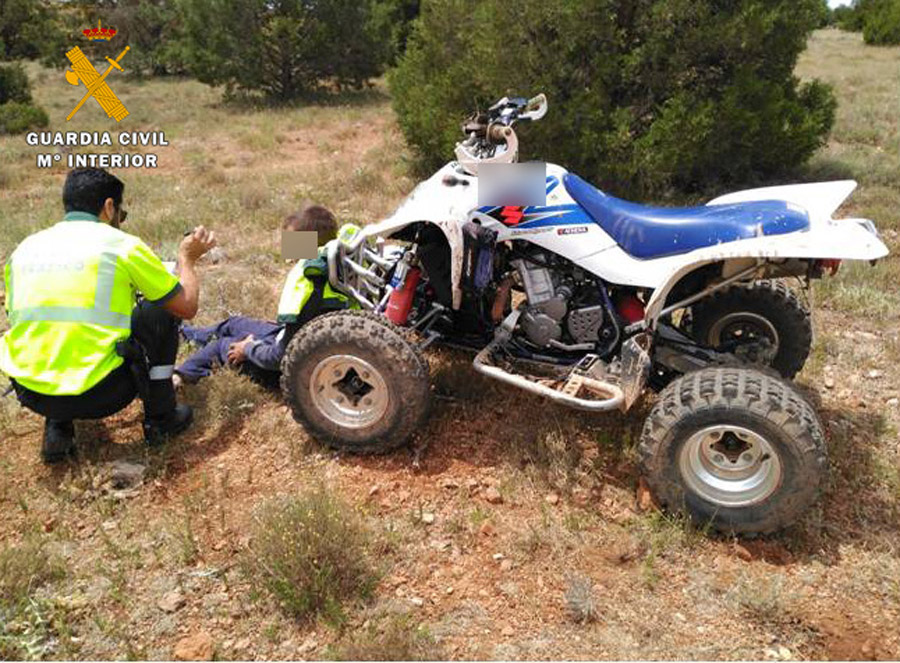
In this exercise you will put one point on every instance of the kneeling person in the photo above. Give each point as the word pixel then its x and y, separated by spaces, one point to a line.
pixel 80 345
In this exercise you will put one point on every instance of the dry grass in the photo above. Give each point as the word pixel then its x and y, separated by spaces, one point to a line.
pixel 311 553
pixel 389 637
pixel 27 620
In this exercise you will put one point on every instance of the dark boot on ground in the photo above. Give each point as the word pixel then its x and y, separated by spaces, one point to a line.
pixel 160 428
pixel 59 441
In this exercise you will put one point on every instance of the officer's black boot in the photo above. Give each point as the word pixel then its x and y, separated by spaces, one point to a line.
pixel 158 429
pixel 59 441
pixel 157 332
pixel 163 415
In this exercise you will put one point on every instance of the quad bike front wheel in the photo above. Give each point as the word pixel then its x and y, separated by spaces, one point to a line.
pixel 355 382
pixel 763 321
pixel 734 448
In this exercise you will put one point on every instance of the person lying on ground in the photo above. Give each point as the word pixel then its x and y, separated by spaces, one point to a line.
pixel 254 346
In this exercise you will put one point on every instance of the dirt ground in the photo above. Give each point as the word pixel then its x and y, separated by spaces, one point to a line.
pixel 503 504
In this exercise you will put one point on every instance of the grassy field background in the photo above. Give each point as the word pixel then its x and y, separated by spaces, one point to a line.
pixel 497 535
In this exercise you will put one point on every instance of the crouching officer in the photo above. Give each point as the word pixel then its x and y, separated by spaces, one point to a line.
pixel 79 346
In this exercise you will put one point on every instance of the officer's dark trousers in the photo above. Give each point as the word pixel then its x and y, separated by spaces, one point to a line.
pixel 156 330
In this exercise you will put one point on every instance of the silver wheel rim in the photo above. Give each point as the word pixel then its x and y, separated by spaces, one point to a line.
pixel 348 391
pixel 730 466
pixel 744 327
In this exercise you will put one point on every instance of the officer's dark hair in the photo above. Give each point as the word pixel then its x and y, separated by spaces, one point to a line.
pixel 86 189
pixel 313 217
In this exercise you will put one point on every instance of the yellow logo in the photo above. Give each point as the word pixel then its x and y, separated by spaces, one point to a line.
pixel 95 82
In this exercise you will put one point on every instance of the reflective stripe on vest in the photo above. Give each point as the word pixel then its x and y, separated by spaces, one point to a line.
pixel 101 314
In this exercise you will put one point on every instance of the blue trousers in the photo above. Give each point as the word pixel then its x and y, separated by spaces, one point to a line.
pixel 216 340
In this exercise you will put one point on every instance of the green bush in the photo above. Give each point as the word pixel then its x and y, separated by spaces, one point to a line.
pixel 28 28
pixel 284 49
pixel 645 96
pixel 14 84
pixel 881 22
pixel 17 118
pixel 311 553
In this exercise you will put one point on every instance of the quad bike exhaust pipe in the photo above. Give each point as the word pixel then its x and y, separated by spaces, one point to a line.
pixel 614 396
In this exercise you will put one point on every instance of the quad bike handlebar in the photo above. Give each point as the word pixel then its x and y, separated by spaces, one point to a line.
pixel 488 131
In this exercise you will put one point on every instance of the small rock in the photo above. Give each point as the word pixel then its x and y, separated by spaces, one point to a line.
pixel 498 556
pixel 427 518
pixel 308 645
pixel 893 402
pixel 552 498
pixel 507 632
pixel 874 374
pixel 644 498
pixel 742 553
pixel 50 523
pixel 506 565
pixel 784 653
pixel 417 601
pixel 124 475
pixel 242 644
pixel 829 382
pixel 373 490
pixel 197 647
pixel 487 529
pixel 492 495
pixel 109 525
pixel 449 590
pixel 449 484
pixel 216 255
pixel 171 602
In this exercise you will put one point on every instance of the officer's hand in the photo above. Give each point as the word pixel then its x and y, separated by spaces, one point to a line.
pixel 195 245
pixel 237 351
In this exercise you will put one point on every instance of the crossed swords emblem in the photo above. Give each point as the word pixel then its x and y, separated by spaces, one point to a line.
pixel 95 82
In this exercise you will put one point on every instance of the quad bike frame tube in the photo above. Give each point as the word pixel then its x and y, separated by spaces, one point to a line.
pixel 482 364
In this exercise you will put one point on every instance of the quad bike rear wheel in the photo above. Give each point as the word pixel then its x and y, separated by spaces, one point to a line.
pixel 355 382
pixel 748 319
pixel 734 448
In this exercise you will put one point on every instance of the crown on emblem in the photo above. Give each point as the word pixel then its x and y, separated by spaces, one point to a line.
pixel 99 33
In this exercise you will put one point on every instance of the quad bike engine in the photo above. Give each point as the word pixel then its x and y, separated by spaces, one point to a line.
pixel 563 309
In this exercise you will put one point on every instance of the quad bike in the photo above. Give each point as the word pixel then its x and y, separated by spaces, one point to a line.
pixel 586 301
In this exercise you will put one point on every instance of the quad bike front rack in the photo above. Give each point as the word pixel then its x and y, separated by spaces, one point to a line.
pixel 572 390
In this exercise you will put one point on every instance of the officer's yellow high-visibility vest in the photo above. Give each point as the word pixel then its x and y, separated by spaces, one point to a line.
pixel 70 291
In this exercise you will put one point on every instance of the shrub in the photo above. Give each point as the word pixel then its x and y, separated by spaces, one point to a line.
pixel 881 22
pixel 284 49
pixel 16 118
pixel 14 84
pixel 28 28
pixel 311 553
pixel 645 95
pixel 393 638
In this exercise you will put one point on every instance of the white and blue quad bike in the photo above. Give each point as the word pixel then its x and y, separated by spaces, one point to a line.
pixel 586 301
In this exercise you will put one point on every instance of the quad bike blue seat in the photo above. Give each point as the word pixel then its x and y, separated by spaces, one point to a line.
pixel 656 232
